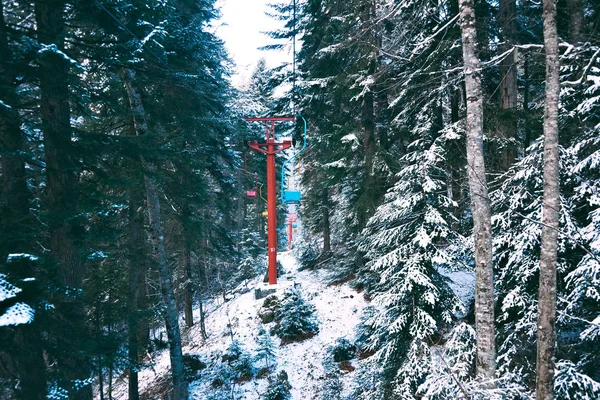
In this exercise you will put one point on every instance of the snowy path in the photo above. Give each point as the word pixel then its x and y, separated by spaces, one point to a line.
pixel 338 308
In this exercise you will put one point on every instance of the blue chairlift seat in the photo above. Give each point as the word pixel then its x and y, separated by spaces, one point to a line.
pixel 291 197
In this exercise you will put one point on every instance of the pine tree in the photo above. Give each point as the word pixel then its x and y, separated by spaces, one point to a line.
pixel 407 241
pixel 265 351
pixel 279 388
pixel 295 318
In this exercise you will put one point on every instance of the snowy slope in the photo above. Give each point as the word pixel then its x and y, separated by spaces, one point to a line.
pixel 338 308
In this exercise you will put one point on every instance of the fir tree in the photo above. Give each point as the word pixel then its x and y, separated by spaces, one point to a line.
pixel 406 243
pixel 265 351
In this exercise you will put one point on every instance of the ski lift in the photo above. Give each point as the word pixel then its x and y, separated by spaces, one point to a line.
pixel 292 196
pixel 252 192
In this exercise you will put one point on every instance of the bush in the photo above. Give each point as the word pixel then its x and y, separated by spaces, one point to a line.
pixel 342 350
pixel 240 361
pixel 332 388
pixel 265 352
pixel 193 364
pixel 295 318
pixel 308 255
pixel 279 389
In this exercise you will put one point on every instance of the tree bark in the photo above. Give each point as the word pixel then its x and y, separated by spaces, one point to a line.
pixel 202 321
pixel 508 83
pixel 61 165
pixel 14 214
pixel 137 266
pixel 180 388
pixel 575 20
pixel 187 285
pixel 526 96
pixel 550 213
pixel 326 226
pixel 480 202
pixel 14 199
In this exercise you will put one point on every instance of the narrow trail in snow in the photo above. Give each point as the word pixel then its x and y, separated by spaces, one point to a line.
pixel 338 308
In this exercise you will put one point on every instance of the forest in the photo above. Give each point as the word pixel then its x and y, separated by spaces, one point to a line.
pixel 447 243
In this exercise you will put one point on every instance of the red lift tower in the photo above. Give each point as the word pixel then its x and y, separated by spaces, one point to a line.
pixel 291 218
pixel 270 148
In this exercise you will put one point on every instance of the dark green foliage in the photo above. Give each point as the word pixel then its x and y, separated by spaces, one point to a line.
pixel 194 365
pixel 342 350
pixel 279 388
pixel 307 254
pixel 240 361
pixel 295 318
pixel 332 388
pixel 265 352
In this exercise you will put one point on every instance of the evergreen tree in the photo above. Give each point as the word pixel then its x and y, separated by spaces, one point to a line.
pixel 295 318
pixel 265 351
pixel 407 241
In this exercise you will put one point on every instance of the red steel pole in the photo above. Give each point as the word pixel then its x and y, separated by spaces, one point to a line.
pixel 270 148
pixel 289 234
pixel 272 216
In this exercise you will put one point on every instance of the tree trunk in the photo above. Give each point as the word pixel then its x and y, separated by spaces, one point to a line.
pixel 550 214
pixel 480 202
pixel 575 20
pixel 508 84
pixel 14 199
pixel 137 266
pixel 365 206
pixel 526 84
pixel 61 164
pixel 202 321
pixel 187 285
pixel 326 227
pixel 14 214
pixel 180 388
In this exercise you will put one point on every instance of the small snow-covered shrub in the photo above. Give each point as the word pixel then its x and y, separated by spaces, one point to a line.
pixel 247 270
pixel 342 350
pixel 279 389
pixel 295 319
pixel 240 361
pixel 265 352
pixel 307 255
pixel 332 387
pixel 193 364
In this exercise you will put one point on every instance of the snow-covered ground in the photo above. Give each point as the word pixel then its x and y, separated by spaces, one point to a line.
pixel 338 308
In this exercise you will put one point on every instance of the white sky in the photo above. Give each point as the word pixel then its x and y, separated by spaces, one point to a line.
pixel 242 22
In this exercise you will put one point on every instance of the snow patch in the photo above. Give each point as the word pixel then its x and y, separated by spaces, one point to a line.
pixel 18 314
pixel 338 309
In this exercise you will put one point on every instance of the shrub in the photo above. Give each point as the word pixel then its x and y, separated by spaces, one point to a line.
pixel 193 365
pixel 295 318
pixel 308 255
pixel 279 389
pixel 342 350
pixel 265 353
pixel 240 361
